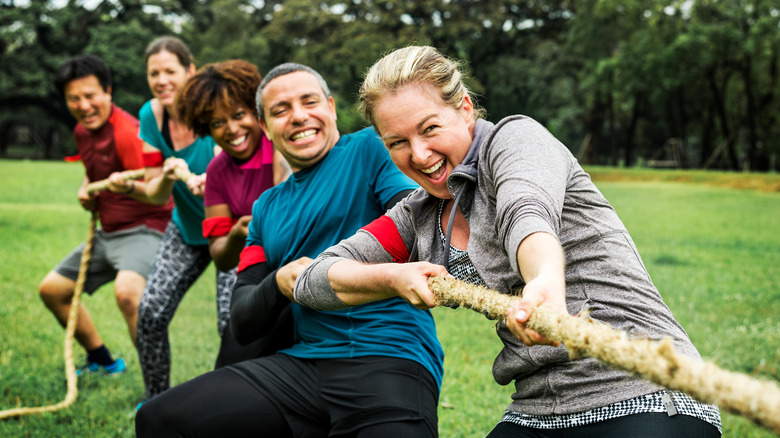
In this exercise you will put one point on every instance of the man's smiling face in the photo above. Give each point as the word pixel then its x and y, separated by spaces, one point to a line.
pixel 299 118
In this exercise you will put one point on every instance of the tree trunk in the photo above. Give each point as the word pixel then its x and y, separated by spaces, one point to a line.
pixel 707 138
pixel 752 113
pixel 720 112
pixel 5 138
pixel 628 156
pixel 613 149
pixel 682 126
pixel 51 143
pixel 594 123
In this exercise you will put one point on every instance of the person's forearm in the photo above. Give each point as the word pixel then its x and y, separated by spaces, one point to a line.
pixel 542 264
pixel 357 283
pixel 137 191
pixel 540 255
pixel 255 304
pixel 226 251
pixel 156 190
pixel 359 270
pixel 82 191
pixel 86 199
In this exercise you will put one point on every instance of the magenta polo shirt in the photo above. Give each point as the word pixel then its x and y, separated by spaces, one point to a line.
pixel 239 184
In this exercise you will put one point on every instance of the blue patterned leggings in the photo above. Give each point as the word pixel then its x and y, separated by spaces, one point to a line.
pixel 176 267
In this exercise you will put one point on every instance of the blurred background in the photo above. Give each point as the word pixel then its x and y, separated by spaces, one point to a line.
pixel 661 84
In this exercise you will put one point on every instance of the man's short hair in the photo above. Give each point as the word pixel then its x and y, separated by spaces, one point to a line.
pixel 81 66
pixel 281 70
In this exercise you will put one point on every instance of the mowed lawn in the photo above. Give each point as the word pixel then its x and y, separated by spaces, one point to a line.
pixel 713 252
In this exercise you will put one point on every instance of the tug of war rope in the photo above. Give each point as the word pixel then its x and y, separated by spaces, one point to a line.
pixel 654 360
pixel 70 327
pixel 70 330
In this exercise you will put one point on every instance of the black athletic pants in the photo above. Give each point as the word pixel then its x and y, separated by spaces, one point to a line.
pixel 223 403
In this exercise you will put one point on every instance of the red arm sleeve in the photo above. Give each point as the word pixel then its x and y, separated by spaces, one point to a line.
pixel 385 231
pixel 251 255
pixel 153 159
pixel 217 226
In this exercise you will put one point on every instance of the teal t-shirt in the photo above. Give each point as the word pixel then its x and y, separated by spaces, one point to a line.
pixel 315 209
pixel 188 214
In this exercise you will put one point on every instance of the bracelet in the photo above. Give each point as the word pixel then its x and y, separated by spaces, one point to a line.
pixel 132 188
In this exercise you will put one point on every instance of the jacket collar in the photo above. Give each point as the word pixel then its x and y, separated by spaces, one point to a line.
pixel 467 169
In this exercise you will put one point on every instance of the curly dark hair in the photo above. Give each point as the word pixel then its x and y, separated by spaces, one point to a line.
pixel 222 83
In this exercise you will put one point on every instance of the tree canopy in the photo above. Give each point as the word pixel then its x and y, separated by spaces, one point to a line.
pixel 690 83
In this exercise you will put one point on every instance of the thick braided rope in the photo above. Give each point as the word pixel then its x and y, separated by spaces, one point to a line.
pixel 656 361
pixel 70 330
pixel 182 174
pixel 103 184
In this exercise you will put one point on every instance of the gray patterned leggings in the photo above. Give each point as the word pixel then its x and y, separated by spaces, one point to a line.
pixel 176 267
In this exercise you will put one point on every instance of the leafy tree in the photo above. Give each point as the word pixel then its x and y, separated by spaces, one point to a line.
pixel 40 36
pixel 230 32
pixel 617 81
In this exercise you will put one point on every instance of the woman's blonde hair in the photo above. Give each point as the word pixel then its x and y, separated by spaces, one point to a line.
pixel 414 65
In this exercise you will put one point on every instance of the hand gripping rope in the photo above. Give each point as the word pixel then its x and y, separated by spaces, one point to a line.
pixel 103 184
pixel 70 327
pixel 656 361
pixel 182 174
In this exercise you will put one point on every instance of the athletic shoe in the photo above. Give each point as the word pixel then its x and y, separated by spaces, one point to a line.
pixel 93 367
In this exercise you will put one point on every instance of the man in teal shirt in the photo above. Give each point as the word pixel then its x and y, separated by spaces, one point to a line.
pixel 370 370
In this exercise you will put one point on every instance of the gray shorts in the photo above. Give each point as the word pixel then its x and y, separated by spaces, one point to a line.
pixel 132 249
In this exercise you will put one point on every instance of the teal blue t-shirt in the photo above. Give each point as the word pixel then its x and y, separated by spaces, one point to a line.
pixel 188 214
pixel 316 208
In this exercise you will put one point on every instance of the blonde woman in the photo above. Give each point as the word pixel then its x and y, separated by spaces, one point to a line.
pixel 500 205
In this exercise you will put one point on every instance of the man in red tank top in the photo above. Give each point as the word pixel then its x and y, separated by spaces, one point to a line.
pixel 130 231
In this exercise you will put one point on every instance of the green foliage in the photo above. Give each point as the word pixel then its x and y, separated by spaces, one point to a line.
pixel 120 44
pixel 340 45
pixel 712 252
pixel 685 70
pixel 231 35
pixel 617 80
pixel 40 36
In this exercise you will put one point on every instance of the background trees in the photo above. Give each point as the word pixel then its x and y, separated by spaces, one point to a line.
pixel 676 83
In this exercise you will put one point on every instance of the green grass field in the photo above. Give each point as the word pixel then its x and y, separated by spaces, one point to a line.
pixel 713 252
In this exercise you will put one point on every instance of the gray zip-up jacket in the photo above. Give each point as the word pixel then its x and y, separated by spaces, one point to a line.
pixel 517 179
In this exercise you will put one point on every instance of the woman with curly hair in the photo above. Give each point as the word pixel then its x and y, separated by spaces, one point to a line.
pixel 219 100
